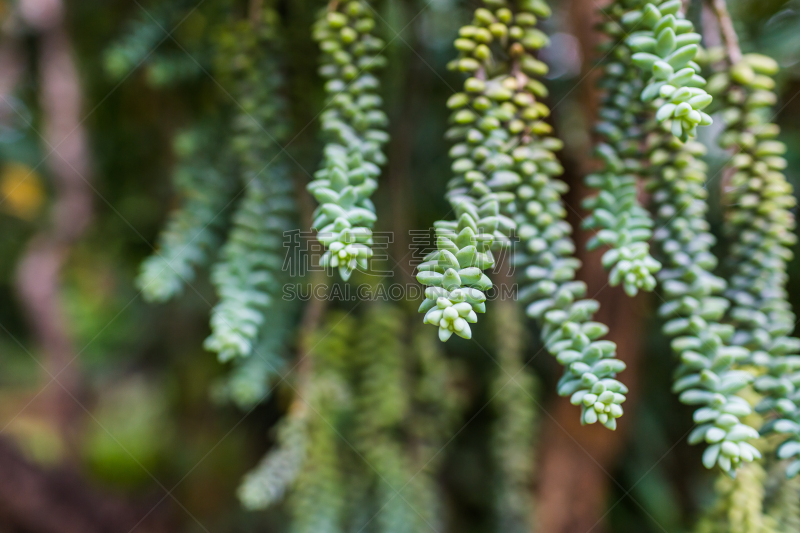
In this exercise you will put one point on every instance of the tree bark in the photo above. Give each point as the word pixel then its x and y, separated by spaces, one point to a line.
pixel 39 271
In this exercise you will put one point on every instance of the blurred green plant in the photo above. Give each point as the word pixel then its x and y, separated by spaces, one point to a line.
pixel 248 273
pixel 740 506
pixel 515 433
pixel 349 432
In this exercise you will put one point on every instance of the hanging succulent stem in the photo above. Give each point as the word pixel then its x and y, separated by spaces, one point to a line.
pixel 759 221
pixel 494 119
pixel 353 125
pixel 623 224
pixel 706 375
pixel 352 424
pixel 546 263
pixel 665 45
pixel 514 434
pixel 739 508
pixel 504 164
pixel 191 236
pixel 273 477
pixel 248 274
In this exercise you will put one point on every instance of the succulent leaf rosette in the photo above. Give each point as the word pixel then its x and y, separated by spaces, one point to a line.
pixel 453 274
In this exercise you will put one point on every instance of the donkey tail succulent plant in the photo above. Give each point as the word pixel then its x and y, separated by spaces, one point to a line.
pixel 494 118
pixel 353 125
pixel 761 225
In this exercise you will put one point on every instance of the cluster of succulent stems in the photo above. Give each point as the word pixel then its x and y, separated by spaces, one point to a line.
pixel 730 326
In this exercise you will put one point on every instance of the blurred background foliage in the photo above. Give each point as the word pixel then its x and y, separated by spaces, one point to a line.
pixel 151 425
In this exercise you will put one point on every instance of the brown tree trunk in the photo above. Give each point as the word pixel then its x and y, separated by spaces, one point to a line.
pixel 577 461
pixel 39 271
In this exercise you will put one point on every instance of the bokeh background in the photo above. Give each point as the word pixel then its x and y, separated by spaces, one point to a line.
pixel 108 420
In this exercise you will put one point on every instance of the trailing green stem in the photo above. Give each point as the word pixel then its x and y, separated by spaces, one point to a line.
pixel 515 431
pixel 546 265
pixel 353 125
pixel 623 224
pixel 740 505
pixel 248 275
pixel 191 236
pixel 760 222
pixel 493 118
pixel 665 45
pixel 693 306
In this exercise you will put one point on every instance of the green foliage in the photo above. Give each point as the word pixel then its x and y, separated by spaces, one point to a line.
pixel 664 49
pixel 359 427
pixel 369 424
pixel 761 225
pixel 494 119
pixel 138 41
pixel 191 236
pixel 623 224
pixel 663 46
pixel 250 318
pixel 249 381
pixel 555 299
pixel 382 405
pixel 693 308
pixel 166 40
pixel 784 504
pixel 353 125
pixel 739 506
pixel 453 273
pixel 502 152
pixel 247 277
pixel 513 392
pixel 322 401
pixel 268 482
pixel 317 501
pixel 435 413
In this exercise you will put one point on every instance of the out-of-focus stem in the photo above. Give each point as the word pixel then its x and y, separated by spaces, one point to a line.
pixel 729 37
